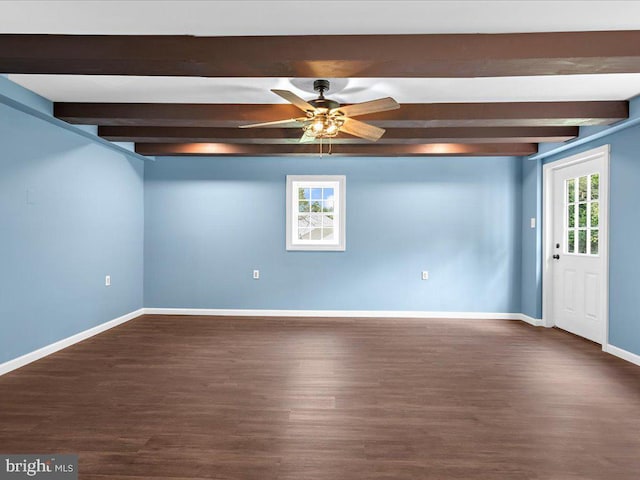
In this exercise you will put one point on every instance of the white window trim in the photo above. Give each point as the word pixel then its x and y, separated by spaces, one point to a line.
pixel 292 241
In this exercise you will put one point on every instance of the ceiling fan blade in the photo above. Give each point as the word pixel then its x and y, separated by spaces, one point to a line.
pixel 295 122
pixel 374 106
pixel 362 130
pixel 295 100
pixel 306 138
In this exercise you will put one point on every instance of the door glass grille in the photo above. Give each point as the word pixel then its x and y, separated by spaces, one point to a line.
pixel 582 215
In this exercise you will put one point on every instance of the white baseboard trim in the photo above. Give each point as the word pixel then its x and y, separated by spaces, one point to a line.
pixel 10 365
pixel 536 322
pixel 624 354
pixel 241 312
pixel 78 337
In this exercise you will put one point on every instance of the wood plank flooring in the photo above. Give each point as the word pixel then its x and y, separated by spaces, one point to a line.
pixel 168 397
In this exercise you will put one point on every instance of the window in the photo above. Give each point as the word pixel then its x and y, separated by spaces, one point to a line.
pixel 315 212
pixel 582 204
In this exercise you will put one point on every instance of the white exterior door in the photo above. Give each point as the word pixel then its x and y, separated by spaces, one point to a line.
pixel 576 248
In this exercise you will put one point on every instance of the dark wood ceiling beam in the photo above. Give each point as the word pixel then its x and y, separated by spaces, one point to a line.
pixel 292 135
pixel 372 150
pixel 413 115
pixel 450 55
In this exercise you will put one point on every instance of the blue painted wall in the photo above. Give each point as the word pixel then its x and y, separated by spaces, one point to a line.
pixel 71 211
pixel 624 255
pixel 210 221
pixel 531 296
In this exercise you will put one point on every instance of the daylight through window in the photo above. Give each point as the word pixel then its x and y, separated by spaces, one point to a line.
pixel 315 212
pixel 582 222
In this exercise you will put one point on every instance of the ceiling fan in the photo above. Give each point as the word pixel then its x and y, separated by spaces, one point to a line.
pixel 325 118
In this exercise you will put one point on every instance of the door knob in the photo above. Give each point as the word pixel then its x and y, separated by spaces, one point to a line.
pixel 556 257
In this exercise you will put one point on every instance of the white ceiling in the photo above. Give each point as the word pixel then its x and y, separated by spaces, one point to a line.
pixel 83 88
pixel 244 17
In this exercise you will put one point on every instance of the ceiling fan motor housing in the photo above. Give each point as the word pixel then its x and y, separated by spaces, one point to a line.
pixel 322 86
pixel 324 103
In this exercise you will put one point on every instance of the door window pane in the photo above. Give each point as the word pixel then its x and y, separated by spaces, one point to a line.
pixel 571 242
pixel 582 189
pixel 572 216
pixel 582 214
pixel 571 190
pixel 594 242
pixel 595 213
pixel 595 186
pixel 582 241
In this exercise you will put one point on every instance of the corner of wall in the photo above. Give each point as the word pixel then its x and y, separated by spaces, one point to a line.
pixel 531 253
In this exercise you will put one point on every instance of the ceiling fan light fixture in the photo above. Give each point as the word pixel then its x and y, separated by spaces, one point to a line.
pixel 323 126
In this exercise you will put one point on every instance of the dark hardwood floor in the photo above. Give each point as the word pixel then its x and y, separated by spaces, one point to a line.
pixel 168 397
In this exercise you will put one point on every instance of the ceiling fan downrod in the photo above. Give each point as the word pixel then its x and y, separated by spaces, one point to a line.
pixel 321 86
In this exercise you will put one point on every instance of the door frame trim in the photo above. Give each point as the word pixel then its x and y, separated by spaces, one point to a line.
pixel 547 229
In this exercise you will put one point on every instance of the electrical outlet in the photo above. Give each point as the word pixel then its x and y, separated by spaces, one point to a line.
pixel 107 281
pixel 256 274
pixel 533 222
pixel 425 275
